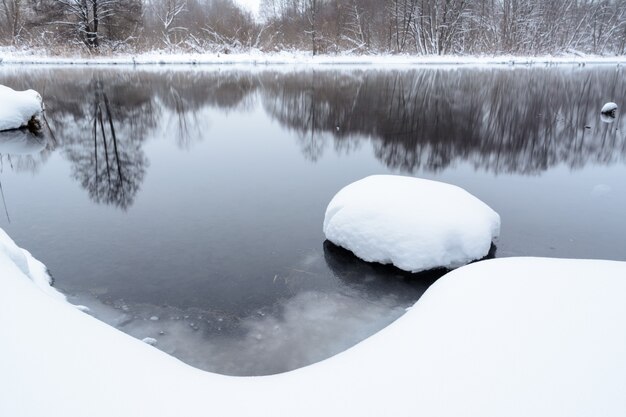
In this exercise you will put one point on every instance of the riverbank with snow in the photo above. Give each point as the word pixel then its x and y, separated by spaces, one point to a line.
pixel 515 337
pixel 255 57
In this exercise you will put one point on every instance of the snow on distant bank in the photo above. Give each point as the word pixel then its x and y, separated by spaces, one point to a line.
pixel 17 108
pixel 513 337
pixel 412 223
pixel 11 56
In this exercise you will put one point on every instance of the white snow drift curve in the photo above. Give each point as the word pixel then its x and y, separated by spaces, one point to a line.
pixel 514 337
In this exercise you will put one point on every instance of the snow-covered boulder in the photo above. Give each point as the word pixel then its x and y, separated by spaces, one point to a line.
pixel 412 223
pixel 18 108
pixel 609 108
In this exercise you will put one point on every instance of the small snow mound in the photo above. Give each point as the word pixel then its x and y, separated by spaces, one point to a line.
pixel 412 223
pixel 14 253
pixel 608 108
pixel 149 340
pixel 29 266
pixel 18 107
pixel 82 308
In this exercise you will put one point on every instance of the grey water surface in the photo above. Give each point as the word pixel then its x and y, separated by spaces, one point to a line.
pixel 186 203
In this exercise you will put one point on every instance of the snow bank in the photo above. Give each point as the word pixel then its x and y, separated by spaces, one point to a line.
pixel 299 58
pixel 506 337
pixel 15 260
pixel 412 223
pixel 17 108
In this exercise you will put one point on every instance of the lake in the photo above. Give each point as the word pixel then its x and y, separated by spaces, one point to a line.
pixel 186 203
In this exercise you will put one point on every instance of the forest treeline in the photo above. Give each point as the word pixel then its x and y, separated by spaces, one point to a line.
pixel 524 27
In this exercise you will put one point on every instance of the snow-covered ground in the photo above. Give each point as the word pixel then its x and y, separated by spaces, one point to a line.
pixel 17 108
pixel 11 56
pixel 412 223
pixel 513 337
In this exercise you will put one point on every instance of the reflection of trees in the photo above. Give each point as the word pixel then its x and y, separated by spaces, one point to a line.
pixel 112 169
pixel 101 129
pixel 24 151
pixel 498 119
pixel 184 94
pixel 501 120
pixel 101 118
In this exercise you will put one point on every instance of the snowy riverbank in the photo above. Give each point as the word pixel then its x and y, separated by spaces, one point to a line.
pixel 10 56
pixel 515 337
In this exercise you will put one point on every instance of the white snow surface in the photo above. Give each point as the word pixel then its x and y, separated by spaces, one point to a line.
pixel 609 107
pixel 412 223
pixel 18 107
pixel 505 337
pixel 255 56
pixel 514 337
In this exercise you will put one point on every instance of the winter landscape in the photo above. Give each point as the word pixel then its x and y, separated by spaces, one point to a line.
pixel 312 207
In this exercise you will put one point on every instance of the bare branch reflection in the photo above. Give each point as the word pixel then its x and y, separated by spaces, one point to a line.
pixel 501 120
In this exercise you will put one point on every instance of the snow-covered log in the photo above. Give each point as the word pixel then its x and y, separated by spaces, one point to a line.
pixel 19 108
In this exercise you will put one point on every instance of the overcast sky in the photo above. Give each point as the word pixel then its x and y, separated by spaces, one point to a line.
pixel 253 5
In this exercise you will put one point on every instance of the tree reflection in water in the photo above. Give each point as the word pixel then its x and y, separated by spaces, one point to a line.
pixel 501 120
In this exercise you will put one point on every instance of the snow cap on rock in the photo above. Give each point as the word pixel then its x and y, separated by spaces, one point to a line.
pixel 608 108
pixel 17 108
pixel 412 223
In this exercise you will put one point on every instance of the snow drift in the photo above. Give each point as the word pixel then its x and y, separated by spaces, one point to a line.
pixel 413 223
pixel 18 108
pixel 514 337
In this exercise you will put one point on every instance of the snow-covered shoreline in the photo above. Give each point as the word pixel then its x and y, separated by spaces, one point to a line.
pixel 301 58
pixel 515 337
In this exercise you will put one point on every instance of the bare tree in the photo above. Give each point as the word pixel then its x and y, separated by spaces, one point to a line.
pixel 168 13
pixel 523 27
pixel 11 11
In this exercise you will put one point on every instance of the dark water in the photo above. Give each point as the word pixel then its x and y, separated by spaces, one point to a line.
pixel 200 197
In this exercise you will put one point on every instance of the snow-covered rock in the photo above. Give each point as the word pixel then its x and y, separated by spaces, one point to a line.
pixel 17 108
pixel 608 108
pixel 412 223
pixel 505 337
pixel 149 340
